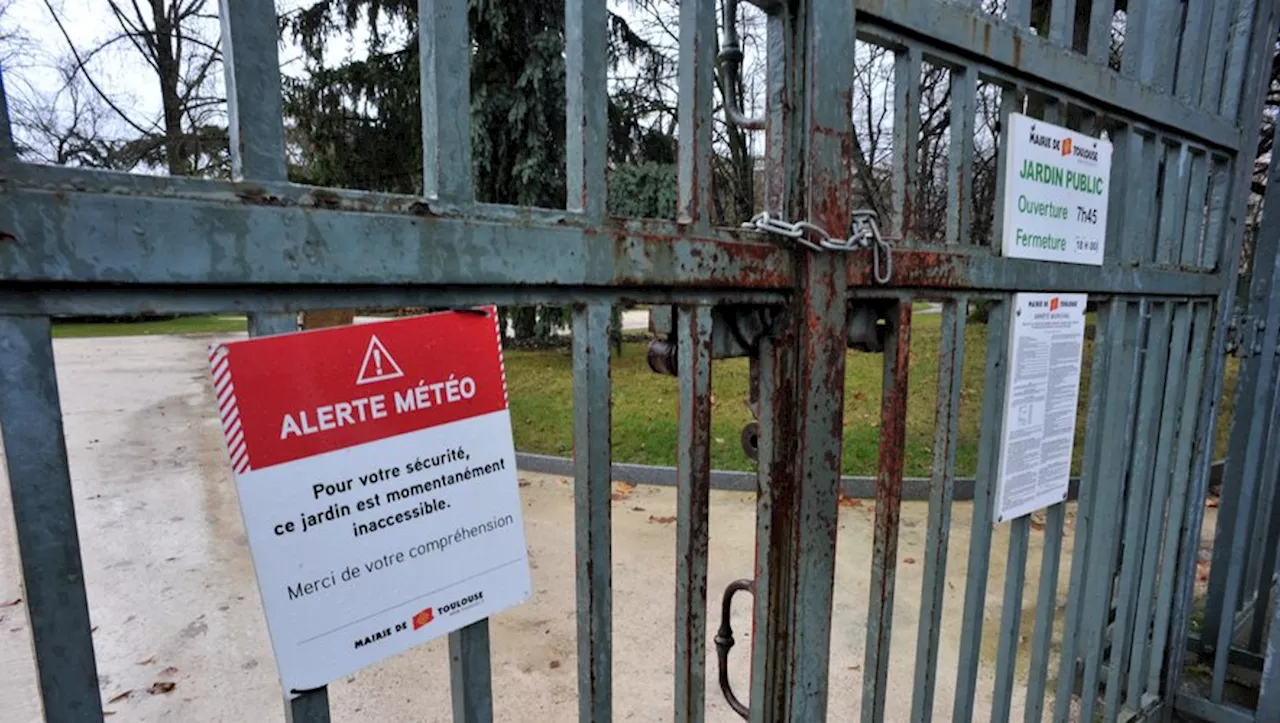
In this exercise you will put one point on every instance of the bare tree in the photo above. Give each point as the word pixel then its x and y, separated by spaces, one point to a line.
pixel 65 127
pixel 189 135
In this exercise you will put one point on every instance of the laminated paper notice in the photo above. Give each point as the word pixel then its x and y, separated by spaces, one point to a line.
pixel 1046 345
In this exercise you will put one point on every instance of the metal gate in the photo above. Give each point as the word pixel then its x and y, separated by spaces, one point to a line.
pixel 1180 103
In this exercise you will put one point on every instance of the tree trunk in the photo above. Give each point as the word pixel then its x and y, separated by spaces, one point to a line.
pixel 169 70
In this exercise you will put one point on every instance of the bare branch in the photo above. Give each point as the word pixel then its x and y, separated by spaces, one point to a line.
pixel 85 71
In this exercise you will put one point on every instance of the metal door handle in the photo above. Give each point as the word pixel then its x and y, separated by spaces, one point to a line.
pixel 724 641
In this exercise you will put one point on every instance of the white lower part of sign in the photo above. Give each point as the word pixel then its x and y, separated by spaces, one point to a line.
pixel 1046 347
pixel 368 551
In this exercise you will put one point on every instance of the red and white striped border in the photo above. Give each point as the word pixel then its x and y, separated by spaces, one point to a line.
pixel 228 409
pixel 502 362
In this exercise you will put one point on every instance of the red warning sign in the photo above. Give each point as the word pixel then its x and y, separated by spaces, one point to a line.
pixel 282 398
pixel 375 469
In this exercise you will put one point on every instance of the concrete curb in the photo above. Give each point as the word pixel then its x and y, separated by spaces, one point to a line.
pixel 913 488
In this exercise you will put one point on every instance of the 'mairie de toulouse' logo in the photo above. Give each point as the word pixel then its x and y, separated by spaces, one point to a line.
pixel 1064 146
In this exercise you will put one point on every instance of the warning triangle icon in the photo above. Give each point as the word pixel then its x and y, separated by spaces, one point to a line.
pixel 378 365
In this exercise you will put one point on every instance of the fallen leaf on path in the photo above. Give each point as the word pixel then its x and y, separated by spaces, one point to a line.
pixel 661 520
pixel 169 671
pixel 622 490
pixel 1037 525
pixel 909 560
pixel 524 483
pixel 11 603
pixel 637 509
pixel 851 502
pixel 148 661
pixel 1211 502
pixel 119 697
pixel 106 713
pixel 162 686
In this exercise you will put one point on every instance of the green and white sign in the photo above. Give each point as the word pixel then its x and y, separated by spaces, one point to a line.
pixel 1056 183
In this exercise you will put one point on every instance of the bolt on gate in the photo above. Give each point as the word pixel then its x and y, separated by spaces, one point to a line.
pixel 1180 102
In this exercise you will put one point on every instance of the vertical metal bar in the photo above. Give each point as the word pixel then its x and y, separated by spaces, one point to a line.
pixel 1046 606
pixel 1132 54
pixel 776 474
pixel 1018 13
pixel 1128 150
pixel 1117 424
pixel 809 139
pixel 1173 204
pixel 271 324
pixel 693 482
pixel 1138 500
pixel 1100 15
pixel 1062 21
pixel 44 517
pixel 310 706
pixel 470 681
pixel 255 120
pixel 1159 54
pixel 1260 514
pixel 1194 225
pixel 941 491
pixel 255 113
pixel 1108 344
pixel 1142 242
pixel 884 553
pixel 445 76
pixel 800 448
pixel 906 134
pixel 592 473
pixel 1215 59
pixel 1047 600
pixel 1215 233
pixel 1262 564
pixel 586 65
pixel 1015 575
pixel 975 595
pixel 1269 692
pixel 1175 382
pixel 1238 56
pixel 1189 441
pixel 8 150
pixel 1010 101
pixel 964 91
pixel 1197 23
pixel 697 77
pixel 1130 147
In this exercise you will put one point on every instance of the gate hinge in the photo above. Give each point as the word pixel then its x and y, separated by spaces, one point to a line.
pixel 1244 336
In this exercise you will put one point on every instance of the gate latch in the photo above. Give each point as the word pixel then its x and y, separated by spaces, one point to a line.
pixel 1244 336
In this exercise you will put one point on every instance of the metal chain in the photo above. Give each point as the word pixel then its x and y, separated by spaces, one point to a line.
pixel 864 232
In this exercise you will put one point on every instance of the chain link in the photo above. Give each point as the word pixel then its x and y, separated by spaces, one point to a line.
pixel 864 232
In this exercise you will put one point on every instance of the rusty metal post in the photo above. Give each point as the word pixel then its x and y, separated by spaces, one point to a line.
pixel 802 375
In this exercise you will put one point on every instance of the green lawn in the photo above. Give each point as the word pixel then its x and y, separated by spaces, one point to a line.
pixel 182 325
pixel 644 405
